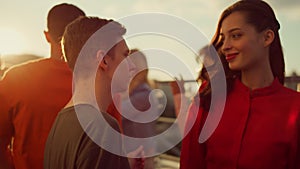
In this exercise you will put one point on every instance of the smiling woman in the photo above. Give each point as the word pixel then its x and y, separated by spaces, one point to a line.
pixel 11 42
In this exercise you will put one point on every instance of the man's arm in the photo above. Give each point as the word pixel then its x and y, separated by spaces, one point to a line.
pixel 5 154
pixel 6 126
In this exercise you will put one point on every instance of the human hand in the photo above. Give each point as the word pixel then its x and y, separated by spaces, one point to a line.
pixel 136 158
pixel 177 86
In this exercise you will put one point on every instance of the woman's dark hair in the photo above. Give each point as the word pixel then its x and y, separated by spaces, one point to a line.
pixel 259 14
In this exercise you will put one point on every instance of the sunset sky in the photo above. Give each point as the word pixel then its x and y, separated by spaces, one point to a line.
pixel 23 22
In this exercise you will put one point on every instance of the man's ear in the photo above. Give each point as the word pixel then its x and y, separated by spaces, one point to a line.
pixel 102 59
pixel 47 36
pixel 268 37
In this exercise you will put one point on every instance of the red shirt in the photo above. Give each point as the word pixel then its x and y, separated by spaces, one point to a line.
pixel 258 129
pixel 31 95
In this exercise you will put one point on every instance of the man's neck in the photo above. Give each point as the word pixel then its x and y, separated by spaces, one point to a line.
pixel 85 92
pixel 55 52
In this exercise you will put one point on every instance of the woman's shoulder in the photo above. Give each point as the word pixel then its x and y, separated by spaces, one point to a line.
pixel 290 97
pixel 290 92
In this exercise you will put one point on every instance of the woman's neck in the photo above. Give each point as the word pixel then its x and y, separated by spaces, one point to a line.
pixel 257 78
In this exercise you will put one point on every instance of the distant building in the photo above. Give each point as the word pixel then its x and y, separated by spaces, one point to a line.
pixel 293 81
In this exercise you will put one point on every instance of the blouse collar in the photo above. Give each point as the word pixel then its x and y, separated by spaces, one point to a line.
pixel 274 87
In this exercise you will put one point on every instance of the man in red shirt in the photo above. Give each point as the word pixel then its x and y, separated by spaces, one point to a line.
pixel 32 94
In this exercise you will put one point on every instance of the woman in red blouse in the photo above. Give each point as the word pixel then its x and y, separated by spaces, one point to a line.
pixel 260 124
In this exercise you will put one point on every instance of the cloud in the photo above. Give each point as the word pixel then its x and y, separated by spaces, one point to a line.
pixel 202 14
pixel 288 8
pixel 292 13
pixel 284 4
pixel 178 7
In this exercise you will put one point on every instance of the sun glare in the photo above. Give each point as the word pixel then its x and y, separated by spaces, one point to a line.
pixel 11 42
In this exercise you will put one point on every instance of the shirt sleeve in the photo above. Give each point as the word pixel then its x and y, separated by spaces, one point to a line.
pixel 6 125
pixel 6 105
pixel 192 152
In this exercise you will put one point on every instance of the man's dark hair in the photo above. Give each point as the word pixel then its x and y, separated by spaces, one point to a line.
pixel 59 17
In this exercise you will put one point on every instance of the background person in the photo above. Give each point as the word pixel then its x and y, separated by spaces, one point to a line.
pixel 140 98
pixel 32 94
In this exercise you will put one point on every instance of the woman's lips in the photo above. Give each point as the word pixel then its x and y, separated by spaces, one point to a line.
pixel 230 57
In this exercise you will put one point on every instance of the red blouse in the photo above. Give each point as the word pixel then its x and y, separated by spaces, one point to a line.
pixel 258 129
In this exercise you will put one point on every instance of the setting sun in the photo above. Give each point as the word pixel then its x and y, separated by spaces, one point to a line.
pixel 11 42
